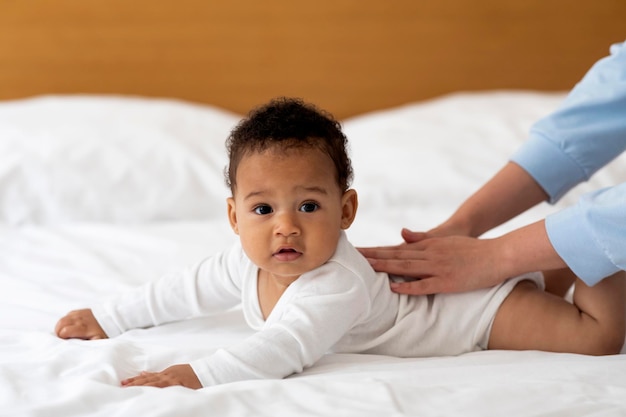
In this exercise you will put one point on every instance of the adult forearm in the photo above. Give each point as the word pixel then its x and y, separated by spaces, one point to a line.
pixel 525 250
pixel 510 192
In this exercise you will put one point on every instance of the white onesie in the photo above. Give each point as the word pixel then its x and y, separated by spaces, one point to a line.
pixel 342 306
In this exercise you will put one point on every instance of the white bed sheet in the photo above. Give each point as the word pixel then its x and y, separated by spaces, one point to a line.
pixel 413 166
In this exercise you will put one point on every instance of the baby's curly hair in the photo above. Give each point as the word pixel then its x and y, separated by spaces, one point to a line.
pixel 287 123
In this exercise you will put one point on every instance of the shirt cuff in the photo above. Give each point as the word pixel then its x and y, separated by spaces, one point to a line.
pixel 553 170
pixel 573 240
pixel 106 321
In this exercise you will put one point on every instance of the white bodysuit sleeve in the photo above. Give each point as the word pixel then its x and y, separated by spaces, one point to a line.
pixel 210 286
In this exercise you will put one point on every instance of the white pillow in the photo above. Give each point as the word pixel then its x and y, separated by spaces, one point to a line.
pixel 111 159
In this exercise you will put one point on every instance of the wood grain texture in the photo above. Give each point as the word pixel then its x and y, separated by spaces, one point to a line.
pixel 347 56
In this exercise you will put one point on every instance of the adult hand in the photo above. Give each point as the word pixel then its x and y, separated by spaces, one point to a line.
pixel 440 264
pixel 79 324
pixel 174 375
pixel 462 263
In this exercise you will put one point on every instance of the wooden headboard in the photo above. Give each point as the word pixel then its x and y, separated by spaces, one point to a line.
pixel 348 56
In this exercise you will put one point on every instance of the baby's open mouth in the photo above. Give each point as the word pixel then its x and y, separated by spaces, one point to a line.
pixel 286 250
pixel 287 254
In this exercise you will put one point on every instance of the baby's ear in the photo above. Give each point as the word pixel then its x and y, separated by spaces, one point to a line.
pixel 349 204
pixel 232 214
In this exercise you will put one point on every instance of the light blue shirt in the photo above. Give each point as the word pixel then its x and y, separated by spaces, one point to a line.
pixel 568 147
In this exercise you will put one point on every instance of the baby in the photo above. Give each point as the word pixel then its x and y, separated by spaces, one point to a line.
pixel 308 291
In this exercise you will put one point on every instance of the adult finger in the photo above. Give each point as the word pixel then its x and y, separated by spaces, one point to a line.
pixel 414 252
pixel 413 237
pixel 415 268
pixel 422 286
pixel 375 251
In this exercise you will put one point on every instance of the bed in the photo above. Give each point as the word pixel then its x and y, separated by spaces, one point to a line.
pixel 113 117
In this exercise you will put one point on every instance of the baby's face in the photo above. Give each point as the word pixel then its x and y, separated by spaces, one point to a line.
pixel 288 210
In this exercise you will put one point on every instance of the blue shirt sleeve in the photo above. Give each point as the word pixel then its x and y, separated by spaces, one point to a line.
pixel 590 236
pixel 585 133
pixel 568 147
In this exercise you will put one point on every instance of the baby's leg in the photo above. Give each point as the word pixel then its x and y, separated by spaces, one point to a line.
pixel 595 324
pixel 559 281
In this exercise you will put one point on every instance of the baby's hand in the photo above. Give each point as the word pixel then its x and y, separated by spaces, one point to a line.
pixel 174 375
pixel 79 324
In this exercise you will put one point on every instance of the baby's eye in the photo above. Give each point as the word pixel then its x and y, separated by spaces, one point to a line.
pixel 309 207
pixel 263 209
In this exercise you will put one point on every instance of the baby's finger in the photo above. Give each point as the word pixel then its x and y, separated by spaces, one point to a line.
pixel 146 379
pixel 71 331
pixel 66 321
pixel 135 381
pixel 59 326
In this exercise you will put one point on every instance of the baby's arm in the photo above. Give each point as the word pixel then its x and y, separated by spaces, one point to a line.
pixel 192 292
pixel 79 324
pixel 212 285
